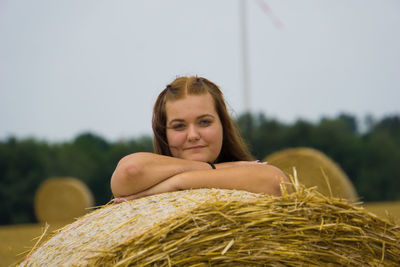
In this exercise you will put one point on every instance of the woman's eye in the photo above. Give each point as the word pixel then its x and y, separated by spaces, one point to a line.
pixel 205 122
pixel 178 127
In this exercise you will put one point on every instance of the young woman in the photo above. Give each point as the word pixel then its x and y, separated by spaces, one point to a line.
pixel 196 145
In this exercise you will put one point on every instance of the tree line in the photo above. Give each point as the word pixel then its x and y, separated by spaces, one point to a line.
pixel 371 158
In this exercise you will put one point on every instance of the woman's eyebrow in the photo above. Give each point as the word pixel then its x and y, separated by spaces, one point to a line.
pixel 198 118
pixel 205 115
pixel 176 120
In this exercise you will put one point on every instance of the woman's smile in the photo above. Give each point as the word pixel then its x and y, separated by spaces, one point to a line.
pixel 194 148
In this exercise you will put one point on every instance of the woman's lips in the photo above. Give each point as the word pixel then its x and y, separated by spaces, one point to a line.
pixel 194 147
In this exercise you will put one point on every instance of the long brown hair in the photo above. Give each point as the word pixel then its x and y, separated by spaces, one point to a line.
pixel 233 146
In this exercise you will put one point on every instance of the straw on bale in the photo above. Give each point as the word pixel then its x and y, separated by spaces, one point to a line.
pixel 313 167
pixel 61 199
pixel 211 227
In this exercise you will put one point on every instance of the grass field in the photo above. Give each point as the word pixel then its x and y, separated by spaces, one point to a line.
pixel 17 239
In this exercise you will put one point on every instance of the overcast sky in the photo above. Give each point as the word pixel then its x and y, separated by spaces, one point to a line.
pixel 72 66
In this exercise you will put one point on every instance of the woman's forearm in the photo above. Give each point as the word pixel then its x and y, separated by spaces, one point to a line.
pixel 140 171
pixel 257 179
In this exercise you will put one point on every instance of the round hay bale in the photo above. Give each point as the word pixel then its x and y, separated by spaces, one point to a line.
pixel 211 227
pixel 62 199
pixel 308 163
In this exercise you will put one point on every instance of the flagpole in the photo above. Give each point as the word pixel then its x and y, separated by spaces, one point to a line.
pixel 245 56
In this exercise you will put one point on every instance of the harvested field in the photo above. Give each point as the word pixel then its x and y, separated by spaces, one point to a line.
pixel 17 240
pixel 385 209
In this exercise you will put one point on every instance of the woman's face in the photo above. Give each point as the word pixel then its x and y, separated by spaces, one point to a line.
pixel 194 130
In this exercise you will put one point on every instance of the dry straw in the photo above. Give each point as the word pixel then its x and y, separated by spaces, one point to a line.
pixel 313 168
pixel 211 227
pixel 61 199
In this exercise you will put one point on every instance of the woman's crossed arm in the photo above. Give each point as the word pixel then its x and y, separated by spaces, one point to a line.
pixel 144 174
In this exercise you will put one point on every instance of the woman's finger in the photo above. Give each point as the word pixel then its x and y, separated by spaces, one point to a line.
pixel 126 198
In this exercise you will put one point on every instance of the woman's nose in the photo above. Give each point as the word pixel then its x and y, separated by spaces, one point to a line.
pixel 193 134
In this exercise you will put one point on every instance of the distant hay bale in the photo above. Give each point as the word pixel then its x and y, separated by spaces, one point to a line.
pixel 62 200
pixel 211 227
pixel 308 163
